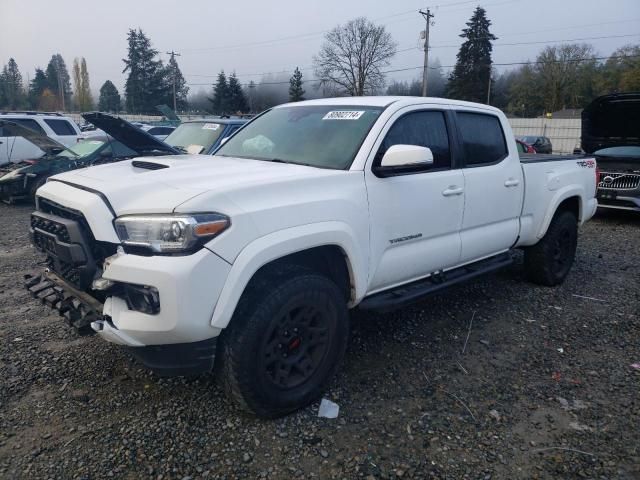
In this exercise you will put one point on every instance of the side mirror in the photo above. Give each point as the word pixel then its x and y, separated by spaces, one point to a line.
pixel 406 156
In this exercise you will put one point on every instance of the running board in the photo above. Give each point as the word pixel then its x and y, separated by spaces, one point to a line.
pixel 405 294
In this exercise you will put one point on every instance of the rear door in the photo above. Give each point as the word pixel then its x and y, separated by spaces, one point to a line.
pixel 415 215
pixel 493 185
pixel 63 131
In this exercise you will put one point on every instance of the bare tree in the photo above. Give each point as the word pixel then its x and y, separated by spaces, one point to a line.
pixel 352 57
pixel 560 68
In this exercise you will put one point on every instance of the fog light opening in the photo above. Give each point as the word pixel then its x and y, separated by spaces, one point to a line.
pixel 142 299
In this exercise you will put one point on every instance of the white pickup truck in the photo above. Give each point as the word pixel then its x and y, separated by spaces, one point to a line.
pixel 251 259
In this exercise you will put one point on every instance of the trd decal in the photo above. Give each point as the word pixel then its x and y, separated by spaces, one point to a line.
pixel 587 163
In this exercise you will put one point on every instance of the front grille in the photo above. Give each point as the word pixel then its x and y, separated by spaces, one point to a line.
pixel 50 226
pixel 619 181
pixel 73 229
pixel 53 208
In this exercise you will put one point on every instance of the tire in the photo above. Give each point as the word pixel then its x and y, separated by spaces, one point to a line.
pixel 284 343
pixel 549 261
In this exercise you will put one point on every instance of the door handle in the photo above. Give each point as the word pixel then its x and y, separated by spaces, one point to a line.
pixel 512 182
pixel 452 190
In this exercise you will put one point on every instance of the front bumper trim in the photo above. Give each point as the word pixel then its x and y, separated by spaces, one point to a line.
pixel 178 359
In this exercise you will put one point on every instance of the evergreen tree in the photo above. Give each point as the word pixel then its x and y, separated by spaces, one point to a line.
pixel 3 99
pixel 470 77
pixel 182 90
pixel 146 85
pixel 296 93
pixel 13 90
pixel 86 87
pixel 37 87
pixel 109 98
pixel 237 100
pixel 220 100
pixel 59 81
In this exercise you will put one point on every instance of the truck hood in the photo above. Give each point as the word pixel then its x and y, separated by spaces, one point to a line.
pixel 128 134
pixel 162 184
pixel 611 121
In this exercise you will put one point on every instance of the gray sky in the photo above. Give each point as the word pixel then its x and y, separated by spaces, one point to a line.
pixel 252 37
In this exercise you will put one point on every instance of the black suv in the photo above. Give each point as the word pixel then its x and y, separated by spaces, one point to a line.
pixel 539 143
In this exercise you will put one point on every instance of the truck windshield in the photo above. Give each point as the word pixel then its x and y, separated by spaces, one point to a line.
pixel 325 136
pixel 195 137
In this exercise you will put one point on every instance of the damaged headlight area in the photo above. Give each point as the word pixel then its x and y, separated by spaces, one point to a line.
pixel 167 234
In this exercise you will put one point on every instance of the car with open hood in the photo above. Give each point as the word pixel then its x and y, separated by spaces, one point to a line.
pixel 203 135
pixel 611 133
pixel 19 181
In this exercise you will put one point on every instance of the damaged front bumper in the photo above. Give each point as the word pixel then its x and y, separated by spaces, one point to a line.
pixel 176 338
pixel 78 308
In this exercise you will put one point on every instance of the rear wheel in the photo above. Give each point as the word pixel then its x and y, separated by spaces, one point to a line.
pixel 284 343
pixel 549 261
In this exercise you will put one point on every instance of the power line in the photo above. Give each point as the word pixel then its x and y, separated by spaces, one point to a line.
pixel 405 69
pixel 321 32
pixel 549 41
pixel 434 46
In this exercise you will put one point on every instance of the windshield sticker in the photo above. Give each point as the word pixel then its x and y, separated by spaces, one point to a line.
pixel 343 115
pixel 211 126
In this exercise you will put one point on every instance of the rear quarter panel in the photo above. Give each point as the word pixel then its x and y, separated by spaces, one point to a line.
pixel 547 185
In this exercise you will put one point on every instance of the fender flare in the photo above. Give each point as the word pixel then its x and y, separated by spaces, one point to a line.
pixel 560 196
pixel 280 244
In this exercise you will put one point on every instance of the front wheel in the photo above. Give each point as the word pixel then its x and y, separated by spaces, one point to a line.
pixel 284 343
pixel 549 261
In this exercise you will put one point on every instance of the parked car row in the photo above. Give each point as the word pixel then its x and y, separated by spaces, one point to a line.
pixel 114 139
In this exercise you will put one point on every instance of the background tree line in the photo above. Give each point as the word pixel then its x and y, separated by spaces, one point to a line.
pixel 352 61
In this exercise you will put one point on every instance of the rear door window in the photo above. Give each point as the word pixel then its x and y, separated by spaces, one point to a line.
pixel 60 127
pixel 482 138
pixel 29 123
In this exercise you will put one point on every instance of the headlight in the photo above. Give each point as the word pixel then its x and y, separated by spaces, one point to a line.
pixel 170 233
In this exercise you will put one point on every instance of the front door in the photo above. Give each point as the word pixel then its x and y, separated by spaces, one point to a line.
pixel 416 215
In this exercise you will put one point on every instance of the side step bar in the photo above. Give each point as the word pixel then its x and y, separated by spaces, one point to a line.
pixel 415 291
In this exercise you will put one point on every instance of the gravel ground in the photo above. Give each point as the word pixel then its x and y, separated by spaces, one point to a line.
pixel 543 389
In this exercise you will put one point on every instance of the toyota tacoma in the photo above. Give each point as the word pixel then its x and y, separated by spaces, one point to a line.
pixel 250 262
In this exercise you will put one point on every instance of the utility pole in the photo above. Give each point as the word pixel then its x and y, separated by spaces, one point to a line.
pixel 427 16
pixel 489 89
pixel 173 55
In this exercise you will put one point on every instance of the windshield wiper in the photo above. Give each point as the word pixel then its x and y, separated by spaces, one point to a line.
pixel 180 148
pixel 279 160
